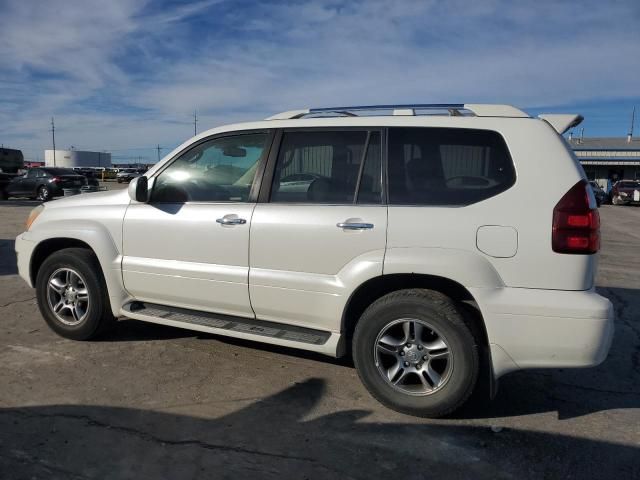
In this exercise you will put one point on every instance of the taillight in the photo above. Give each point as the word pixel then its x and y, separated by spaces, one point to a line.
pixel 576 222
pixel 56 179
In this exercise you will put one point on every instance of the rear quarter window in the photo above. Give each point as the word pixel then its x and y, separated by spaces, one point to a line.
pixel 447 166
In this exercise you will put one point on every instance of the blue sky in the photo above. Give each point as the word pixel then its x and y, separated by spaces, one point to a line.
pixel 126 75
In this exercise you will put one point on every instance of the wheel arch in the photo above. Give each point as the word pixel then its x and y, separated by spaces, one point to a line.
pixel 47 247
pixel 92 237
pixel 376 287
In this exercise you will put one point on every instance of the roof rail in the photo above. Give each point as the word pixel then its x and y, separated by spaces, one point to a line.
pixel 453 109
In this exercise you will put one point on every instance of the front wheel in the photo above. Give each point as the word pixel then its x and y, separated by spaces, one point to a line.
pixel 415 354
pixel 72 295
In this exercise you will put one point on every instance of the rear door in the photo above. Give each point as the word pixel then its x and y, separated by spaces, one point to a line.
pixel 320 218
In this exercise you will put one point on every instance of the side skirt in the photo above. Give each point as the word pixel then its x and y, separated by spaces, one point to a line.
pixel 328 343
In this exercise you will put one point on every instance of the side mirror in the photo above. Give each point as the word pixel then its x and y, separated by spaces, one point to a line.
pixel 139 189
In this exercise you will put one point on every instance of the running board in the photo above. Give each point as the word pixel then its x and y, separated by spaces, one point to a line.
pixel 260 330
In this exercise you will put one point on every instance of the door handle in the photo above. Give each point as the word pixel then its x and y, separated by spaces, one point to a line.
pixel 228 220
pixel 355 226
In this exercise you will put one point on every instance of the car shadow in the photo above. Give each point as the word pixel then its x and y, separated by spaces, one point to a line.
pixel 286 435
pixel 569 392
pixel 8 259
pixel 128 330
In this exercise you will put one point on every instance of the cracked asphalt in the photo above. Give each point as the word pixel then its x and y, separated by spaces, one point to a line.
pixel 156 402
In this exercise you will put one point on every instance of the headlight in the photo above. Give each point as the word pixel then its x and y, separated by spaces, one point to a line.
pixel 33 215
pixel 623 194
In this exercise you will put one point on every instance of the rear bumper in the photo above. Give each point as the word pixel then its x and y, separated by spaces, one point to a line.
pixel 530 328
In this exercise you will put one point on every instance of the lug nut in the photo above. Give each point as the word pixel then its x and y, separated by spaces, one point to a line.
pixel 402 353
pixel 419 365
pixel 419 347
pixel 408 345
pixel 406 364
pixel 425 358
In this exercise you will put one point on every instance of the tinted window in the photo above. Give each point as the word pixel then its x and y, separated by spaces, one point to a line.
pixel 447 166
pixel 328 167
pixel 33 173
pixel 220 170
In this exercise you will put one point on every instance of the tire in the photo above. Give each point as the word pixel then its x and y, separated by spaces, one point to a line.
pixel 44 194
pixel 93 317
pixel 457 371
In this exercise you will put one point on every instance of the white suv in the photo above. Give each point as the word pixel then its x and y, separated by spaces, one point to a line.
pixel 413 237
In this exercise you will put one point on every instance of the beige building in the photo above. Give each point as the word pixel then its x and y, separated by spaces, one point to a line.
pixel 605 159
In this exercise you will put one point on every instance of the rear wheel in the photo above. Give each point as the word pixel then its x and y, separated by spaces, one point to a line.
pixel 72 295
pixel 44 194
pixel 415 354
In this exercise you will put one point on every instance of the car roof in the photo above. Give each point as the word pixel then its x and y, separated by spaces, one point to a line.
pixel 475 116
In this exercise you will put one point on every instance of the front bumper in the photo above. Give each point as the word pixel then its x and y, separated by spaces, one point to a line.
pixel 24 249
pixel 532 328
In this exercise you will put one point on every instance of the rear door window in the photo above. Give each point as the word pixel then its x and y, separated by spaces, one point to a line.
pixel 328 167
pixel 447 166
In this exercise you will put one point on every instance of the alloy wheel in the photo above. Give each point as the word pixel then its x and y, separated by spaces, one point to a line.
pixel 43 194
pixel 67 296
pixel 413 357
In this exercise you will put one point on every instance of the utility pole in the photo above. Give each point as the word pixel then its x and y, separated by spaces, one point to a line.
pixel 195 123
pixel 633 120
pixel 158 148
pixel 53 137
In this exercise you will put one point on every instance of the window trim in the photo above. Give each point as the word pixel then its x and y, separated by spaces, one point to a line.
pixel 267 180
pixel 255 187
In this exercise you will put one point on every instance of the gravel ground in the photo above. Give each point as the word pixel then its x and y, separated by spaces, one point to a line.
pixel 157 402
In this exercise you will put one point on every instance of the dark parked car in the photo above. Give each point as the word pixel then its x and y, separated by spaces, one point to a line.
pixel 45 183
pixel 5 180
pixel 90 175
pixel 11 160
pixel 128 174
pixel 626 192
pixel 600 194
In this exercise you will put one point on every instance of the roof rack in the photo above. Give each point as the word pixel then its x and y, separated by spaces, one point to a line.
pixel 452 109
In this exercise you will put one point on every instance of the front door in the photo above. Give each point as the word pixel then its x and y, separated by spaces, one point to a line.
pixel 321 229
pixel 189 246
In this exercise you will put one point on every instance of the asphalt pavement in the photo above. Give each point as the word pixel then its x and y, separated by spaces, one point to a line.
pixel 152 402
